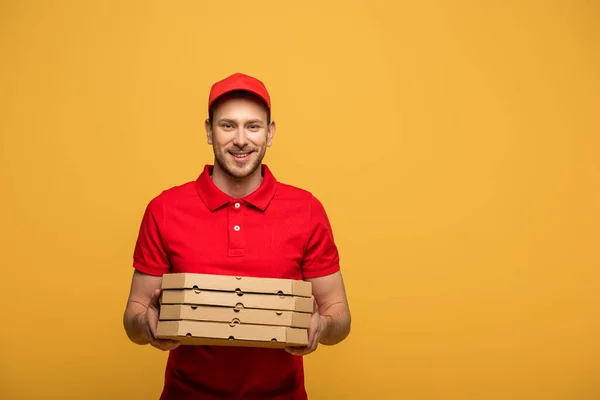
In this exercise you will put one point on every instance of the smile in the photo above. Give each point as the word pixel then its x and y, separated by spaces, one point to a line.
pixel 241 156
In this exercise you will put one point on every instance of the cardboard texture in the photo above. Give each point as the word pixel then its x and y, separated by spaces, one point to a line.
pixel 232 299
pixel 225 334
pixel 241 315
pixel 242 284
pixel 222 310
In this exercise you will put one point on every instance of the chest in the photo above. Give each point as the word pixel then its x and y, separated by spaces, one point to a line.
pixel 238 239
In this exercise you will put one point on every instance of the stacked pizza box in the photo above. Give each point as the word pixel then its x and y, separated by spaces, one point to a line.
pixel 208 309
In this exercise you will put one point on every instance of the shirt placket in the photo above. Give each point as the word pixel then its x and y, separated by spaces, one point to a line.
pixel 236 228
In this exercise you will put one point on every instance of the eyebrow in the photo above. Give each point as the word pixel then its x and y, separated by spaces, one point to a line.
pixel 252 121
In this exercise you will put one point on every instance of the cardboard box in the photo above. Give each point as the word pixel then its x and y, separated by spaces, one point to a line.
pixel 224 334
pixel 174 312
pixel 223 310
pixel 238 284
pixel 233 299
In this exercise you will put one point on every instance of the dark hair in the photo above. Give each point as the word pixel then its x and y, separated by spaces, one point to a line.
pixel 237 93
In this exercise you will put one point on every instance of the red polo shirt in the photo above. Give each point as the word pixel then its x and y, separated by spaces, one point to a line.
pixel 277 231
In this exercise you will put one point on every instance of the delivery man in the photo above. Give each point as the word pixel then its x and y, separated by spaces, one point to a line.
pixel 237 219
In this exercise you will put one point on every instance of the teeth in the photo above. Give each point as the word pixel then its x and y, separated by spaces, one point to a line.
pixel 240 155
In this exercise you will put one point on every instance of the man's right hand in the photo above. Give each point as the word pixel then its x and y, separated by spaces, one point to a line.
pixel 151 319
pixel 142 311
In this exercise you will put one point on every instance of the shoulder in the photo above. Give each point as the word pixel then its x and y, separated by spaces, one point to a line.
pixel 293 192
pixel 301 201
pixel 287 192
pixel 172 196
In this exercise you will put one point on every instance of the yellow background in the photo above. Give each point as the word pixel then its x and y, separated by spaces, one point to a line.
pixel 454 144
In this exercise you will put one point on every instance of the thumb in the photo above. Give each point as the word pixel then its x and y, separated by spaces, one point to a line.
pixel 154 299
pixel 151 316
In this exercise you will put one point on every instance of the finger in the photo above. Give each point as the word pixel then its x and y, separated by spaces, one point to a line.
pixel 314 343
pixel 170 346
pixel 311 335
pixel 297 351
pixel 165 344
pixel 163 347
pixel 152 314
pixel 152 326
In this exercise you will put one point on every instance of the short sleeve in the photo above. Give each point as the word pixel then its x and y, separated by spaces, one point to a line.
pixel 150 255
pixel 321 256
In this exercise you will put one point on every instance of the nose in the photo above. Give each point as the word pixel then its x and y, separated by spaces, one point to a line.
pixel 240 139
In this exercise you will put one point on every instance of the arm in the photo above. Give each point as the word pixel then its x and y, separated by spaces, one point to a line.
pixel 151 261
pixel 330 295
pixel 330 323
pixel 142 310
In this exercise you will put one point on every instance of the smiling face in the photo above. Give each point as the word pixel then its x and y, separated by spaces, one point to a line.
pixel 240 132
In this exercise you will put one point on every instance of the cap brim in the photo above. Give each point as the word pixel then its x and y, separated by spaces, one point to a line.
pixel 253 92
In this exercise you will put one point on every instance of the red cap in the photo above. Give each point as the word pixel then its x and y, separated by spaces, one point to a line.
pixel 239 81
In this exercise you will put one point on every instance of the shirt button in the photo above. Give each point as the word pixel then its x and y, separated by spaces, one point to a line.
pixel 236 228
pixel 237 205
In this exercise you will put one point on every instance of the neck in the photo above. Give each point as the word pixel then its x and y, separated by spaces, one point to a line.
pixel 236 187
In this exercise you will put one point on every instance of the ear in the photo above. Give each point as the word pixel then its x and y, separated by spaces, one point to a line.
pixel 208 129
pixel 271 133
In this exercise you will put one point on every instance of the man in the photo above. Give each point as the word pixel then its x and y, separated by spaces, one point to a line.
pixel 237 219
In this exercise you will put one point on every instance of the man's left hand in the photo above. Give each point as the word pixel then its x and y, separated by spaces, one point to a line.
pixel 317 327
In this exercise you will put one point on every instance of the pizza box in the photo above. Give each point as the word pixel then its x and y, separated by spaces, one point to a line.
pixel 243 284
pixel 231 334
pixel 234 314
pixel 241 300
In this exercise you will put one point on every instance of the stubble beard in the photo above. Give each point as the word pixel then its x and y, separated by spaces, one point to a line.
pixel 234 172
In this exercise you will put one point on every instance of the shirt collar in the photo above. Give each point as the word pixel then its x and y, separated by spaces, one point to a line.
pixel 214 198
